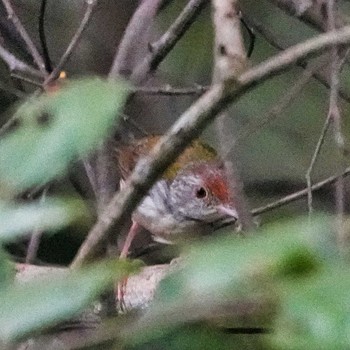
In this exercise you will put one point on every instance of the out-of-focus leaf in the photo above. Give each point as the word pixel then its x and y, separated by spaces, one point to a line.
pixel 285 249
pixel 20 219
pixel 34 305
pixel 53 129
pixel 201 337
pixel 315 312
pixel 7 270
pixel 221 273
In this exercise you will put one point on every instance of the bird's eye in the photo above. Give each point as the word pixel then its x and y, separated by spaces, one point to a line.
pixel 201 193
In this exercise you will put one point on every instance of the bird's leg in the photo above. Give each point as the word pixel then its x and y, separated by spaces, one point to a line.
pixel 134 229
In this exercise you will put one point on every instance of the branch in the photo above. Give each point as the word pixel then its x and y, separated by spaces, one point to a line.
pixel 138 25
pixel 316 14
pixel 168 40
pixel 90 6
pixel 284 102
pixel 339 137
pixel 230 59
pixel 299 194
pixel 171 91
pixel 276 42
pixel 22 31
pixel 15 64
pixel 188 127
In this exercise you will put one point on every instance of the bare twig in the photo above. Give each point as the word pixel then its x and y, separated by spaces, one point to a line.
pixel 188 127
pixel 168 40
pixel 42 36
pixel 138 25
pixel 98 167
pixel 313 161
pixel 90 6
pixel 316 14
pixel 279 44
pixel 15 64
pixel 26 80
pixel 285 101
pixel 22 31
pixel 36 235
pixel 11 90
pixel 171 91
pixel 230 59
pixel 299 194
pixel 334 113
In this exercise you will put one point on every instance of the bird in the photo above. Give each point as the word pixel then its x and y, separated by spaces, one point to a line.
pixel 191 198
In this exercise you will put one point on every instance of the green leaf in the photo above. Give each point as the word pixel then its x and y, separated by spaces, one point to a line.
pixel 282 250
pixel 53 129
pixel 7 270
pixel 34 305
pixel 221 271
pixel 201 337
pixel 315 312
pixel 21 219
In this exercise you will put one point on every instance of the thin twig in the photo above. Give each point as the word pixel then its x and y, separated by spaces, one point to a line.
pixel 22 31
pixel 171 91
pixel 26 80
pixel 11 90
pixel 283 103
pixel 36 235
pixel 42 36
pixel 137 27
pixel 168 40
pixel 315 14
pixel 299 194
pixel 276 42
pixel 189 126
pixel 90 6
pixel 339 137
pixel 15 64
pixel 313 161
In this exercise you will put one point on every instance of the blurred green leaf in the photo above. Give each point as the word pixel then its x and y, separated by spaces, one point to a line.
pixel 21 219
pixel 201 337
pixel 229 261
pixel 315 312
pixel 34 305
pixel 7 270
pixel 53 129
pixel 220 274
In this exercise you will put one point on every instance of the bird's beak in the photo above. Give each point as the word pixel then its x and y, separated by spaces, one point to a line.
pixel 228 211
pixel 230 215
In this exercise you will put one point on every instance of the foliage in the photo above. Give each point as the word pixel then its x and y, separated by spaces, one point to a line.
pixel 292 269
pixel 51 130
pixel 287 280
pixel 47 133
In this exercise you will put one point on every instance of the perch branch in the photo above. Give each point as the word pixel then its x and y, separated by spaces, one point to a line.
pixel 188 127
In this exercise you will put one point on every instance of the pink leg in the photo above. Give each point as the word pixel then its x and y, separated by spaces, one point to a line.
pixel 134 229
